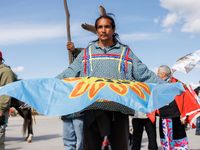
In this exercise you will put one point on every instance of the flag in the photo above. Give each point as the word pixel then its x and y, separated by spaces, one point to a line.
pixel 187 63
pixel 188 107
pixel 53 97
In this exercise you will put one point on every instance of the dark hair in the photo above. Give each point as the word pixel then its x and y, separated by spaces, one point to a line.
pixel 1 59
pixel 107 17
pixel 115 35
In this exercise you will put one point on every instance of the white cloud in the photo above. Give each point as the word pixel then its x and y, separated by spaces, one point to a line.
pixel 170 20
pixel 192 27
pixel 191 36
pixel 139 36
pixel 168 30
pixel 156 20
pixel 21 33
pixel 18 69
pixel 185 10
pixel 130 19
pixel 14 33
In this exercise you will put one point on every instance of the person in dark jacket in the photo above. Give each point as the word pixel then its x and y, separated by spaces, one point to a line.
pixel 197 91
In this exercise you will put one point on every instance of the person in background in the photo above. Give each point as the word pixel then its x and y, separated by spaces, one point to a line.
pixel 73 123
pixel 73 131
pixel 6 76
pixel 172 129
pixel 139 121
pixel 197 91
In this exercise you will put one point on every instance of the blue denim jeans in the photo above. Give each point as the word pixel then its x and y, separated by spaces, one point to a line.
pixel 73 133
pixel 198 125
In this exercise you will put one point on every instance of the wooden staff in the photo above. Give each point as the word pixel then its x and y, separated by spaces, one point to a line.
pixel 68 28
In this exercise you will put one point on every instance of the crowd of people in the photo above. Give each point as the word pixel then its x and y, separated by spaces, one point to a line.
pixel 88 129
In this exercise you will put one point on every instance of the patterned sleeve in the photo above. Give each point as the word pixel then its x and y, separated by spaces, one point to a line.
pixel 73 70
pixel 142 73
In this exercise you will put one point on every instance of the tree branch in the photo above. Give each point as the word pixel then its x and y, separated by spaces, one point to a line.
pixel 68 28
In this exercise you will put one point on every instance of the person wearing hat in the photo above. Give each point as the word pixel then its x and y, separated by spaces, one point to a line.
pixel 6 76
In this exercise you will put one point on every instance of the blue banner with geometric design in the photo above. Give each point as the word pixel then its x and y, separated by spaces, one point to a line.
pixel 54 97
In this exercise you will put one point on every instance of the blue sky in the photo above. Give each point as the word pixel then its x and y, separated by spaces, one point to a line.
pixel 33 33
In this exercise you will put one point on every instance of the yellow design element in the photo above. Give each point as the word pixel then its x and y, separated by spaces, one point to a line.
pixel 90 57
pixel 121 58
pixel 93 85
pixel 182 58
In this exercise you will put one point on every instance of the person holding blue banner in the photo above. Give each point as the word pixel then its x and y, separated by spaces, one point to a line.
pixel 106 57
pixel 172 128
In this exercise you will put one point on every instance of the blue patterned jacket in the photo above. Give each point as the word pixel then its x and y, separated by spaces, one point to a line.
pixel 117 62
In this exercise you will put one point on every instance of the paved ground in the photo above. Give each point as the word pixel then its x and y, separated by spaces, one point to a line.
pixel 48 135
